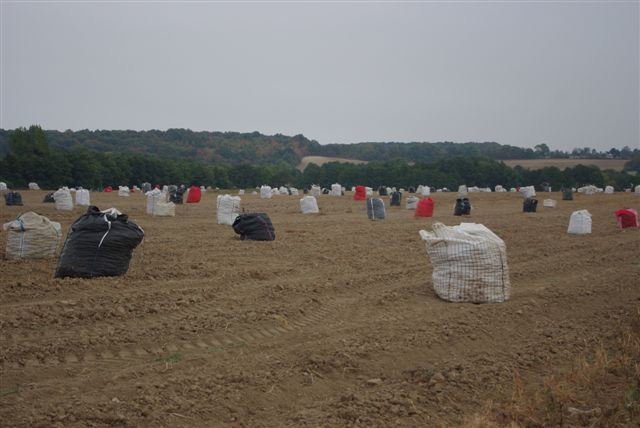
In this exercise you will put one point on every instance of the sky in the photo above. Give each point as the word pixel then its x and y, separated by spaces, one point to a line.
pixel 522 73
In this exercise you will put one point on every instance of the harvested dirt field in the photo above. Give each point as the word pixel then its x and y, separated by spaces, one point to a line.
pixel 615 164
pixel 332 324
pixel 321 160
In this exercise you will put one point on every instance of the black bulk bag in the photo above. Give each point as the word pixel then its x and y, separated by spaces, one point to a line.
pixel 567 195
pixel 325 191
pixel 382 191
pixel 175 197
pixel 48 198
pixel 13 198
pixel 305 191
pixel 463 207
pixel 375 209
pixel 254 226
pixel 98 244
pixel 529 205
pixel 412 190
pixel 395 199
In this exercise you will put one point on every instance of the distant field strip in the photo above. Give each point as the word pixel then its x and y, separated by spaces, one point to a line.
pixel 321 160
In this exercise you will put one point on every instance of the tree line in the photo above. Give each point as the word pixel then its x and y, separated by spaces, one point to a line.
pixel 31 158
pixel 254 147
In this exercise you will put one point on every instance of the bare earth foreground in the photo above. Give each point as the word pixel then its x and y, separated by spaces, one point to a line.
pixel 333 323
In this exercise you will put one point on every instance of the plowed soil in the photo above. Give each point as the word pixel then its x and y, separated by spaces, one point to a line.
pixel 333 323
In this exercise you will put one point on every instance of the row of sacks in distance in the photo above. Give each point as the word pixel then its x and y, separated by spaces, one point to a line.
pixel 469 261
pixel 99 243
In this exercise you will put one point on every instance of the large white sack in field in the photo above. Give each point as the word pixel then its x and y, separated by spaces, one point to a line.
pixel 469 263
pixel 412 201
pixel 266 192
pixel 528 192
pixel 294 191
pixel 608 190
pixel 241 192
pixel 424 190
pixel 228 208
pixel 64 201
pixel 32 236
pixel 309 205
pixel 123 191
pixel 284 190
pixel 34 186
pixel 315 191
pixel 580 223
pixel 336 190
pixel 550 203
pixel 462 191
pixel 153 197
pixel 83 197
pixel 637 189
pixel 3 186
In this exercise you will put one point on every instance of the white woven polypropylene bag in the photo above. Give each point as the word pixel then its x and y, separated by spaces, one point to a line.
pixel 64 201
pixel 32 236
pixel 550 203
pixel 123 191
pixel 266 192
pixel 336 190
pixel 580 223
pixel 228 208
pixel 412 202
pixel 469 263
pixel 309 205
pixel 83 197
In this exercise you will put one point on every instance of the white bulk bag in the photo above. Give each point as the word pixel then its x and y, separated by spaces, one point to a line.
pixel 309 205
pixel 369 191
pixel 412 201
pixel 608 190
pixel 580 223
pixel 83 197
pixel 469 263
pixel 528 192
pixel 266 192
pixel 462 191
pixel 228 208
pixel 550 203
pixel 294 191
pixel 64 201
pixel 164 209
pixel 284 190
pixel 512 190
pixel 315 191
pixel 336 190
pixel 3 186
pixel 34 186
pixel 32 236
pixel 499 188
pixel 241 192
pixel 153 197
pixel 123 191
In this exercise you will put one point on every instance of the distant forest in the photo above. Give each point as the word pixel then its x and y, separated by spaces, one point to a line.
pixel 33 155
pixel 256 148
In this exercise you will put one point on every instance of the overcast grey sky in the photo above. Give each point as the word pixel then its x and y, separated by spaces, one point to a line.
pixel 563 73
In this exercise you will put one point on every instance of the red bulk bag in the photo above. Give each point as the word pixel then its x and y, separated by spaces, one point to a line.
pixel 425 208
pixel 361 193
pixel 627 218
pixel 194 195
pixel 107 189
